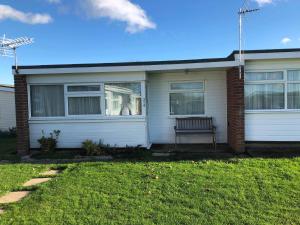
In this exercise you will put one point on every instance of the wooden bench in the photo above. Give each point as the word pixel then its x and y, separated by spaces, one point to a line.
pixel 195 125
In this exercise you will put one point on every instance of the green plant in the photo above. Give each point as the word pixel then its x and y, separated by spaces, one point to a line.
pixel 48 144
pixel 93 149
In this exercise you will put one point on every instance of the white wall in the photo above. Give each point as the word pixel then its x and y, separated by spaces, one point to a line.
pixel 272 126
pixel 161 124
pixel 113 131
pixel 7 110
pixel 73 133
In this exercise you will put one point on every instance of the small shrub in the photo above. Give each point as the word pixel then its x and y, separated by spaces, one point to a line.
pixel 48 144
pixel 93 149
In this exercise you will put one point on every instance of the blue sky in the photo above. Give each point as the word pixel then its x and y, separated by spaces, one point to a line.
pixel 91 31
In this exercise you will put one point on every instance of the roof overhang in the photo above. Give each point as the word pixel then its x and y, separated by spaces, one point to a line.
pixel 7 88
pixel 130 68
pixel 157 66
pixel 268 54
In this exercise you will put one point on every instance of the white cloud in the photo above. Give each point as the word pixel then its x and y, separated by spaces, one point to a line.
pixel 122 10
pixel 285 40
pixel 263 2
pixel 7 12
pixel 54 1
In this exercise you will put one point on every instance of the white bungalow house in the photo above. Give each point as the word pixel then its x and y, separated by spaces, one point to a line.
pixel 7 107
pixel 136 103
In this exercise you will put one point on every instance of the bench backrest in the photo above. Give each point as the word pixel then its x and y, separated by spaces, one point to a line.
pixel 194 123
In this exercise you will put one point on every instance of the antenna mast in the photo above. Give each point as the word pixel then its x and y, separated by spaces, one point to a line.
pixel 8 47
pixel 243 11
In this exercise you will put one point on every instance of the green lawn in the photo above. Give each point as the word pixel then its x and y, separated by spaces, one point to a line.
pixel 244 191
pixel 12 176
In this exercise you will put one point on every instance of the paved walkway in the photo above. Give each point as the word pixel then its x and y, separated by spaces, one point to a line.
pixel 50 173
pixel 19 195
pixel 13 197
pixel 35 181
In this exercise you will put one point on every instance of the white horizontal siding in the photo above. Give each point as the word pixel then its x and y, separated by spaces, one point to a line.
pixel 86 78
pixel 274 64
pixel 73 133
pixel 7 110
pixel 115 131
pixel 272 126
pixel 161 125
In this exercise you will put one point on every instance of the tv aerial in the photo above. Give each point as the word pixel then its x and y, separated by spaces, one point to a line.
pixel 242 13
pixel 8 47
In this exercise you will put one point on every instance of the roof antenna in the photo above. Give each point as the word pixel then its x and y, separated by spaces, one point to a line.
pixel 242 12
pixel 8 47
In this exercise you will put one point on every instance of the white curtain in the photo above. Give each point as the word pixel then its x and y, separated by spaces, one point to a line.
pixel 47 100
pixel 187 103
pixel 84 105
pixel 83 88
pixel 293 96
pixel 264 96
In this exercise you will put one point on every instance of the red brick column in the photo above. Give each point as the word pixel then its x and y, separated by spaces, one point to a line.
pixel 235 110
pixel 21 100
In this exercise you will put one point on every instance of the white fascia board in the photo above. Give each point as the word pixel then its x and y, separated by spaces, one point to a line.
pixel 147 68
pixel 7 89
pixel 262 56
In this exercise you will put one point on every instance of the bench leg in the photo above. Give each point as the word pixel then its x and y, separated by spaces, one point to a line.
pixel 214 141
pixel 175 141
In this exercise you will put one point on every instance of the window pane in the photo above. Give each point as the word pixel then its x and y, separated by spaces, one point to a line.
pixel 293 96
pixel 84 88
pixel 47 100
pixel 187 86
pixel 84 105
pixel 123 99
pixel 188 103
pixel 259 76
pixel 264 96
pixel 294 75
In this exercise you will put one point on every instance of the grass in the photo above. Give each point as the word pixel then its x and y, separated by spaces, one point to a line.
pixel 236 191
pixel 8 149
pixel 12 176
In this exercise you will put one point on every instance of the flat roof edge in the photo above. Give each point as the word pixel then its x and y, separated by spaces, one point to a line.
pixel 231 57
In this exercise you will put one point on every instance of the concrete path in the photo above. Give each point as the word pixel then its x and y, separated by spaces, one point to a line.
pixel 36 181
pixel 13 197
pixel 50 173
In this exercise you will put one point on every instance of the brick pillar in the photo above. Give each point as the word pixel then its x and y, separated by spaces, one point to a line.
pixel 235 110
pixel 21 100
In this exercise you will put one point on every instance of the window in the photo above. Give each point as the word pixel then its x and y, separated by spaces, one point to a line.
pixel 264 90
pixel 293 89
pixel 187 98
pixel 264 96
pixel 84 99
pixel 272 90
pixel 47 100
pixel 263 76
pixel 123 99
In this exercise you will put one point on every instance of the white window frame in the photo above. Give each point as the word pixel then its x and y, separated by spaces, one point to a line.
pixel 143 100
pixel 170 91
pixel 285 82
pixel 100 93
pixel 29 101
pixel 290 82
pixel 78 94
